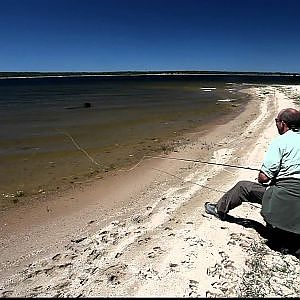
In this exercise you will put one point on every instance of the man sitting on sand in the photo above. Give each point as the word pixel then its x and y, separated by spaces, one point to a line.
pixel 278 187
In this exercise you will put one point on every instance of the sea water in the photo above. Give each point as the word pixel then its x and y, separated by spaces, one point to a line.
pixel 56 131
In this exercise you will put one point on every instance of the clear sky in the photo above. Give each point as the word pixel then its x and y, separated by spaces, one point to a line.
pixel 153 35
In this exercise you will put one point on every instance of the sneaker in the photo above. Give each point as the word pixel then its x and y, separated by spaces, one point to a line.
pixel 211 208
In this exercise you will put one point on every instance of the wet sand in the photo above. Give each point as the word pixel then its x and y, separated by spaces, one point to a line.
pixel 144 232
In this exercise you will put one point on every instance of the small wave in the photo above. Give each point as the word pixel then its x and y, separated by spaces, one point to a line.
pixel 207 89
pixel 226 100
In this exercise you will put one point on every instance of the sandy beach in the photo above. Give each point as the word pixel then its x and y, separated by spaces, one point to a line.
pixel 143 232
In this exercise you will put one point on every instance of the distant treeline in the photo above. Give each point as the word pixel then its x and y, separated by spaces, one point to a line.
pixel 135 73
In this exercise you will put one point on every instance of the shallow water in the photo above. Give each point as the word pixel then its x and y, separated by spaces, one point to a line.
pixel 49 138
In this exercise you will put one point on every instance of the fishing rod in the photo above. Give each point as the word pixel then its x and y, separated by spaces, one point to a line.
pixel 210 163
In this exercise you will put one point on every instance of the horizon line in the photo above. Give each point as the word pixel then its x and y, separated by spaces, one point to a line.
pixel 141 73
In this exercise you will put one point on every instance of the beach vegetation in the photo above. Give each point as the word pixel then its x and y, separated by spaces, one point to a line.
pixel 19 193
pixel 268 274
pixel 167 148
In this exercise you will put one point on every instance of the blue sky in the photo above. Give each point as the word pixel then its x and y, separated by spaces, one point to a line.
pixel 154 35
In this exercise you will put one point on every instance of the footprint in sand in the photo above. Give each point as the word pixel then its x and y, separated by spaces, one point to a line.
pixel 95 254
pixel 115 274
pixel 7 294
pixel 193 288
pixel 149 274
pixel 144 241
pixel 157 251
pixel 56 257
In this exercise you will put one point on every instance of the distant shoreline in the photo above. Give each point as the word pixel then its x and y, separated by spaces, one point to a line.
pixel 33 75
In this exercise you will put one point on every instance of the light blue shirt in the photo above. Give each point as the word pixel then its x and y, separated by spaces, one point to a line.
pixel 282 159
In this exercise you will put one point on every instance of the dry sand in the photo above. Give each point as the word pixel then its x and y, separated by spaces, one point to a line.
pixel 144 232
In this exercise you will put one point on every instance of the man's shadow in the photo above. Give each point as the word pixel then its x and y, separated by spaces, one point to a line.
pixel 276 239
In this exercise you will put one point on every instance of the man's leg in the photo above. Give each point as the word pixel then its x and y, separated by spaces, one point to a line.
pixel 243 191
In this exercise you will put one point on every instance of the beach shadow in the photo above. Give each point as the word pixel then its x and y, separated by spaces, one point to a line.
pixel 261 229
pixel 276 239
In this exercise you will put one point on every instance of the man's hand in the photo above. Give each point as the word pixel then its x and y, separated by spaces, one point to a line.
pixel 263 178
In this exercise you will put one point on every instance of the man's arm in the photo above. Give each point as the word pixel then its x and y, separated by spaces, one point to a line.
pixel 272 162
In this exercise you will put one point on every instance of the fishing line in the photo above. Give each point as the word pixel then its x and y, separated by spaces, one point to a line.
pixel 78 146
pixel 163 157
pixel 205 186
pixel 146 157
pixel 192 160
pixel 209 163
pixel 160 157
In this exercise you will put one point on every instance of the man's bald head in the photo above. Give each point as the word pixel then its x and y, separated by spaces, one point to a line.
pixel 291 117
